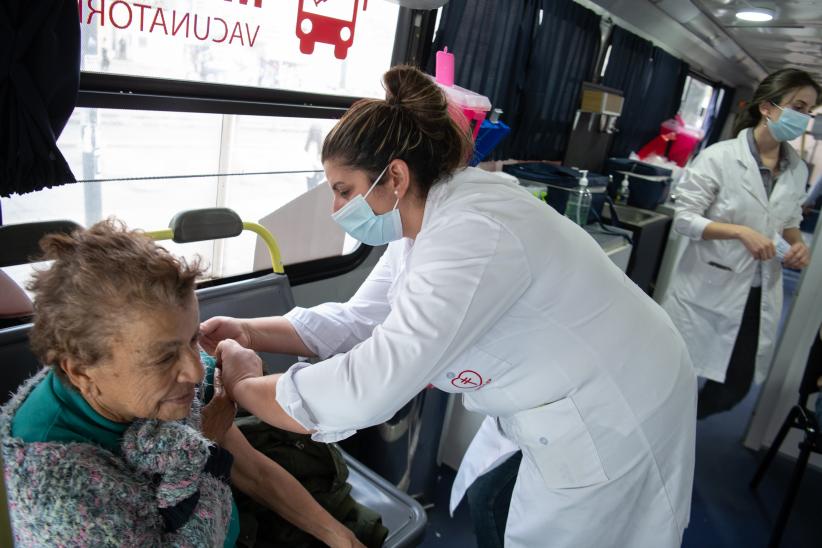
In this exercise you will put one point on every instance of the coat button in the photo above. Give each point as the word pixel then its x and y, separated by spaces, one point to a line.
pixel 543 441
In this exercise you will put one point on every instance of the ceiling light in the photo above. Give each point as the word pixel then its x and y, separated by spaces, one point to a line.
pixel 758 15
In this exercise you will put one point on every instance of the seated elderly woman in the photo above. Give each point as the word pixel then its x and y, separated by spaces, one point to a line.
pixel 110 445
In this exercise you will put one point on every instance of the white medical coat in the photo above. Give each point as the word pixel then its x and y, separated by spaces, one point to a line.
pixel 706 302
pixel 512 305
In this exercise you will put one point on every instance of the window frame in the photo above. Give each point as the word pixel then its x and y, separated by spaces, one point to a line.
pixel 124 92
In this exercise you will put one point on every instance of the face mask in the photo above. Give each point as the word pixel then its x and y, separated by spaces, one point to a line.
pixel 790 125
pixel 359 220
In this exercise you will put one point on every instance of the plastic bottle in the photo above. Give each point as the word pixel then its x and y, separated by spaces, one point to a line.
pixel 624 191
pixel 579 202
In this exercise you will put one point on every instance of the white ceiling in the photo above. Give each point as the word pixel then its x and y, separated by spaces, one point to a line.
pixel 793 38
pixel 707 35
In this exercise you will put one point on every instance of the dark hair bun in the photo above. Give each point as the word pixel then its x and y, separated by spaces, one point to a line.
pixel 413 124
pixel 409 88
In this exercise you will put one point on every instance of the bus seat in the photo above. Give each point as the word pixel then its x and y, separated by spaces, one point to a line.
pixel 267 295
pixel 14 302
pixel 403 516
pixel 17 363
pixel 20 243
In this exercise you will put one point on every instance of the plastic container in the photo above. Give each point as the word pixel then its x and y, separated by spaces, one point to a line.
pixel 489 136
pixel 445 68
pixel 648 184
pixel 472 105
pixel 559 182
pixel 579 202
pixel 624 192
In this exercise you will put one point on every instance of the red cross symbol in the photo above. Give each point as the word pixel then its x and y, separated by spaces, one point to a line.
pixel 467 379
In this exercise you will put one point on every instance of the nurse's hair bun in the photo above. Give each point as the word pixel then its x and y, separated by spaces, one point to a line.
pixel 409 88
pixel 413 123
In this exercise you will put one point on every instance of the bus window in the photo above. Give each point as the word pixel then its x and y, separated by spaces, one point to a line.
pixel 246 44
pixel 696 98
pixel 145 166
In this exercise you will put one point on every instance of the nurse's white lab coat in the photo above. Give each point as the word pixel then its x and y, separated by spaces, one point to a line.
pixel 706 302
pixel 514 306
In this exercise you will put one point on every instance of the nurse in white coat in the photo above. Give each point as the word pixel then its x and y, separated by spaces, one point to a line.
pixel 485 292
pixel 736 200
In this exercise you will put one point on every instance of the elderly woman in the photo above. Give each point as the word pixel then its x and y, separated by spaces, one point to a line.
pixel 110 445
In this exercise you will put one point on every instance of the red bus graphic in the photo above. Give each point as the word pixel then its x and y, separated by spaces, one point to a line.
pixel 329 22
pixel 257 3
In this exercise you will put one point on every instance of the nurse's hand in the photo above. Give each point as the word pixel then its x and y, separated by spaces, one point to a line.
pixel 760 247
pixel 219 328
pixel 237 364
pixel 798 256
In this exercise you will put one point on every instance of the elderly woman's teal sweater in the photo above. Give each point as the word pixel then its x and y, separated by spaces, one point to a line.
pixel 77 478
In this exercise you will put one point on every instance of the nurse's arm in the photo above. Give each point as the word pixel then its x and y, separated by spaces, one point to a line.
pixel 258 396
pixel 271 485
pixel 243 381
pixel 696 193
pixel 759 246
pixel 277 334
pixel 269 334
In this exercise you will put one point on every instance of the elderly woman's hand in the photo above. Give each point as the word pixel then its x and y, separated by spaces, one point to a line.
pixel 218 414
pixel 237 364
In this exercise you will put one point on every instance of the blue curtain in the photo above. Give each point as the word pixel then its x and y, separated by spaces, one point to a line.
pixel 563 55
pixel 491 41
pixel 630 69
pixel 652 81
pixel 719 115
pixel 39 79
pixel 532 71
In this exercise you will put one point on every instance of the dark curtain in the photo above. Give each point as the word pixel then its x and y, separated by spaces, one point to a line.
pixel 491 41
pixel 630 69
pixel 661 100
pixel 563 56
pixel 720 116
pixel 39 79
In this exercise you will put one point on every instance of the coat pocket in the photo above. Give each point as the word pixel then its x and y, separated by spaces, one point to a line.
pixel 718 274
pixel 555 438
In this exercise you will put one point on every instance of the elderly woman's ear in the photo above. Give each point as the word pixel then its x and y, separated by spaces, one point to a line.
pixel 77 375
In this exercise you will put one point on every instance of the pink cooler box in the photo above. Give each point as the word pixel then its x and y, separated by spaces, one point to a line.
pixel 472 105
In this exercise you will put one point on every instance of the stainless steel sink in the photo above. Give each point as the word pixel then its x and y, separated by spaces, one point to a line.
pixel 650 234
pixel 634 216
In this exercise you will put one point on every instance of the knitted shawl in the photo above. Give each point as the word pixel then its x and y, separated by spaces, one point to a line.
pixel 162 490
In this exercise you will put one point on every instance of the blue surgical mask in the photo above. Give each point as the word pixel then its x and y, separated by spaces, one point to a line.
pixel 359 220
pixel 790 125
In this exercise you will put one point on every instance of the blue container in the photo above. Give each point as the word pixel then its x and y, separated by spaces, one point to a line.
pixel 648 185
pixel 559 182
pixel 489 136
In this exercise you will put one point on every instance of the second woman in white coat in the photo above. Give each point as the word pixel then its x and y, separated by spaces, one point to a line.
pixel 486 292
pixel 733 204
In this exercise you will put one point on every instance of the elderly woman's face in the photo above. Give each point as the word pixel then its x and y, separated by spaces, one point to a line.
pixel 154 366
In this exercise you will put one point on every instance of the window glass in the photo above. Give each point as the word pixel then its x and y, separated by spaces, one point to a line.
pixel 696 98
pixel 339 47
pixel 143 167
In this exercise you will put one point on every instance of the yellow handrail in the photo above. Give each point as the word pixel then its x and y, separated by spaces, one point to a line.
pixel 260 230
pixel 270 242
